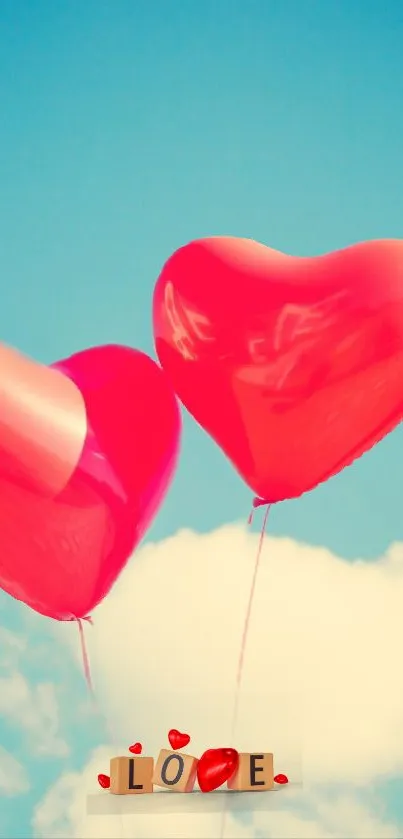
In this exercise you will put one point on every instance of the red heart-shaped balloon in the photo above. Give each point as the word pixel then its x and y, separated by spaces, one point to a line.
pixel 178 740
pixel 104 781
pixel 215 767
pixel 61 553
pixel 293 365
pixel 136 749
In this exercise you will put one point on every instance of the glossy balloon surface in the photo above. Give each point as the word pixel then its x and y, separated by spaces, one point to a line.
pixel 293 365
pixel 61 552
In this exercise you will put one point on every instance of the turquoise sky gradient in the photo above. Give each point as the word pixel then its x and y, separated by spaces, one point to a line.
pixel 128 128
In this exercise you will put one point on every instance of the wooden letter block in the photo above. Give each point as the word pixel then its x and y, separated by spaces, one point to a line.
pixel 131 775
pixel 255 772
pixel 175 771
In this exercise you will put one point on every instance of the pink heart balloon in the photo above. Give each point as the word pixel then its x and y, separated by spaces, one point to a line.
pixel 87 477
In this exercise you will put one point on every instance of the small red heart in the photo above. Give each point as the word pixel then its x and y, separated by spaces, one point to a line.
pixel 136 749
pixel 177 740
pixel 215 767
pixel 104 781
pixel 281 779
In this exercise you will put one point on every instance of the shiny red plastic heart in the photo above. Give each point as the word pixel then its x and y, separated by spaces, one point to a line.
pixel 136 749
pixel 281 779
pixel 178 740
pixel 215 767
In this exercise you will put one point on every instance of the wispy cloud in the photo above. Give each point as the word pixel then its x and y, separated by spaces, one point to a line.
pixel 12 647
pixel 34 710
pixel 13 776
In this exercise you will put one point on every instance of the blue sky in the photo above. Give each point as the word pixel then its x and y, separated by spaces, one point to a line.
pixel 131 127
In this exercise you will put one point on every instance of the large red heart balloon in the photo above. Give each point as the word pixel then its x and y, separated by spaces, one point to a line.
pixel 215 767
pixel 72 512
pixel 293 365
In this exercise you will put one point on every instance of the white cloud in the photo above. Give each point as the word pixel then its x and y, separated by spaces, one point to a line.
pixel 322 674
pixel 13 777
pixel 34 710
pixel 31 708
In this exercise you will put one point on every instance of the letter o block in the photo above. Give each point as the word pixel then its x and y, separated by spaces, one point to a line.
pixel 254 773
pixel 175 771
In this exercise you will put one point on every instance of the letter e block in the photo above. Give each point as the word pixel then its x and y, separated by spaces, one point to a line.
pixel 131 775
pixel 175 771
pixel 255 772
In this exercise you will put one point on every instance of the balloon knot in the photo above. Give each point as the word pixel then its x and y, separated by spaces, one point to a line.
pixel 87 618
pixel 259 502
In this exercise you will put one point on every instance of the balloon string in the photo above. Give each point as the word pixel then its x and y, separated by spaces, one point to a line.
pixel 84 653
pixel 88 679
pixel 257 502
pixel 249 610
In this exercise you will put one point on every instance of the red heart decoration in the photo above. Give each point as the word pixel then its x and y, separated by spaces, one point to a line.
pixel 136 749
pixel 178 740
pixel 215 767
pixel 304 356
pixel 61 553
pixel 104 781
pixel 281 779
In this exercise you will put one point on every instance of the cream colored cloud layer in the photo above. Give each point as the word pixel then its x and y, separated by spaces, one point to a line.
pixel 322 678
pixel 300 815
